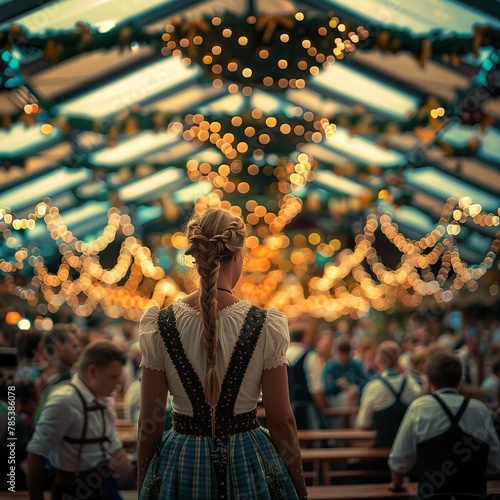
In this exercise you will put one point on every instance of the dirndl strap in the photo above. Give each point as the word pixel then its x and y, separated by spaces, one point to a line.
pixel 226 422
pixel 221 422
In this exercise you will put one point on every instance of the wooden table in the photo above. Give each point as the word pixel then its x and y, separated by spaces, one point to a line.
pixel 322 457
pixel 123 423
pixel 372 491
pixel 359 492
pixel 306 435
pixel 329 454
pixel 347 411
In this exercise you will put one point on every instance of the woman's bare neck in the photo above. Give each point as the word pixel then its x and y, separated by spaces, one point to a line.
pixel 224 299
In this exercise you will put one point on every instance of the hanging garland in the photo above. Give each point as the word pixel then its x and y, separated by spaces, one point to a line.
pixel 423 123
pixel 448 48
pixel 271 52
pixel 430 266
pixel 251 133
pixel 95 287
pixel 287 133
pixel 60 45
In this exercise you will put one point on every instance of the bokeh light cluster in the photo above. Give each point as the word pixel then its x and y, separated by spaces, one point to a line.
pixel 273 52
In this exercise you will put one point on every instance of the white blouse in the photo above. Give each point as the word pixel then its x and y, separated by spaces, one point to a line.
pixel 270 351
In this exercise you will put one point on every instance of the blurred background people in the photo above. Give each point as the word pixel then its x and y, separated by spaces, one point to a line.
pixel 76 431
pixel 469 356
pixel 492 383
pixel 450 439
pixel 386 398
pixel 324 345
pixel 342 376
pixel 418 364
pixel 365 354
pixel 62 348
pixel 29 364
pixel 304 382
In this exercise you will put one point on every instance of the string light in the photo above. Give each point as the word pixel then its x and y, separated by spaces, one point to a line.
pixel 251 133
pixel 277 273
pixel 293 46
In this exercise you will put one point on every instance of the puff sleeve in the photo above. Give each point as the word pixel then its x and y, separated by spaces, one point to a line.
pixel 150 342
pixel 277 339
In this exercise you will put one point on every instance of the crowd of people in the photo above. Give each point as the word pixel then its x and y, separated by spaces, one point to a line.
pixel 49 363
pixel 432 399
pixel 194 373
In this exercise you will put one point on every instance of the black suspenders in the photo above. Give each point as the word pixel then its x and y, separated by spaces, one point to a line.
pixel 101 440
pixel 398 394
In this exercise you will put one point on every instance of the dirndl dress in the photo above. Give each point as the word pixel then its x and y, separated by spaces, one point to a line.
pixel 228 457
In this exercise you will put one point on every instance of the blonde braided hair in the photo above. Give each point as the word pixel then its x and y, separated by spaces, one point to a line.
pixel 213 236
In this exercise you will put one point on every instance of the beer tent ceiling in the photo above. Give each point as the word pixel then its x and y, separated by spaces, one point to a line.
pixel 416 115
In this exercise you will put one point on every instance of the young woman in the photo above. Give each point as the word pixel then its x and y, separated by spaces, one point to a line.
pixel 215 354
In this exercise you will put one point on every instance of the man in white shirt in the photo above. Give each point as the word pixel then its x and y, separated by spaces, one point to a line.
pixel 469 356
pixel 76 431
pixel 492 383
pixel 385 399
pixel 451 440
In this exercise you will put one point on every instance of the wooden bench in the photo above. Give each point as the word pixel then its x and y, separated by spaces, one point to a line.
pixel 340 492
pixel 329 454
pixel 347 411
pixel 117 408
pixel 359 492
pixel 321 458
pixel 123 423
pixel 372 491
pixel 346 414
pixel 128 436
pixel 307 435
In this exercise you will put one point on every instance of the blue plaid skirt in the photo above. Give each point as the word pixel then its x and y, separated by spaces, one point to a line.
pixel 183 470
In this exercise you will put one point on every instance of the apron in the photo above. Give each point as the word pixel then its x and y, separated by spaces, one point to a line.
pixel 386 422
pixel 307 416
pixel 453 462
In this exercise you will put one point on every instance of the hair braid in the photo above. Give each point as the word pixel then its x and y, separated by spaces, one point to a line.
pixel 209 273
pixel 213 236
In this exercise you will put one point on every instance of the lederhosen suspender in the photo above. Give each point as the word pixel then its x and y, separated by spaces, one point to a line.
pixel 398 394
pixel 83 440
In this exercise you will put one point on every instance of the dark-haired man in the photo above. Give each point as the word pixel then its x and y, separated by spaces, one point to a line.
pixel 450 439
pixel 28 353
pixel 76 431
pixel 62 348
pixel 343 376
